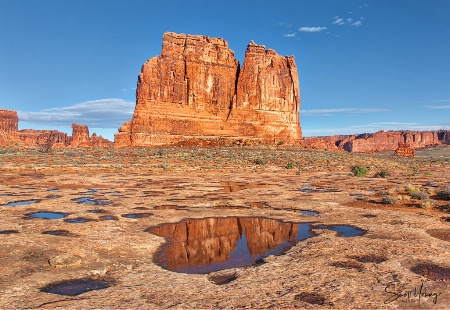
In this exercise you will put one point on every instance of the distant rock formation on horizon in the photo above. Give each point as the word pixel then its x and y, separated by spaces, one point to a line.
pixel 197 91
pixel 379 141
pixel 10 135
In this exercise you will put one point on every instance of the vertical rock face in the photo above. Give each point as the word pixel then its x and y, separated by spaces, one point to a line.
pixel 8 126
pixel 80 136
pixel 194 90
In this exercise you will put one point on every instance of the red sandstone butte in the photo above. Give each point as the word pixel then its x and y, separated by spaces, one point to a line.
pixel 379 141
pixel 196 90
pixel 80 136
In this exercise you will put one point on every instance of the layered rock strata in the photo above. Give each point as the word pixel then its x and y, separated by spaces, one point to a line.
pixel 11 136
pixel 379 141
pixel 196 89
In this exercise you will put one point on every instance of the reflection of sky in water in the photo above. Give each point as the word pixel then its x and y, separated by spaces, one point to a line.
pixel 47 215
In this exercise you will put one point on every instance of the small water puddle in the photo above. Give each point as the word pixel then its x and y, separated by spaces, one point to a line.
pixel 309 212
pixel 75 287
pixel 108 218
pixel 137 215
pixel 9 232
pixel 22 203
pixel 344 230
pixel 60 232
pixel 201 246
pixel 47 215
pixel 77 220
pixel 90 201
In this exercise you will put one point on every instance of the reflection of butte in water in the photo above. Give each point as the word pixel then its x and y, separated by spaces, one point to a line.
pixel 206 245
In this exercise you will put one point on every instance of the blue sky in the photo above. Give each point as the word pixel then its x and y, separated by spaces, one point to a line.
pixel 363 66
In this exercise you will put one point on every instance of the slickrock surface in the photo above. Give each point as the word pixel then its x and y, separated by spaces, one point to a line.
pixel 196 90
pixel 379 141
pixel 98 245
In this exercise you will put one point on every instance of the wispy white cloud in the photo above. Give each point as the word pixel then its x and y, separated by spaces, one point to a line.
pixel 438 106
pixel 338 21
pixel 312 29
pixel 331 112
pixel 348 21
pixel 290 34
pixel 103 113
pixel 285 25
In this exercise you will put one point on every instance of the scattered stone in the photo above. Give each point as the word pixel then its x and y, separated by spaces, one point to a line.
pixel 64 260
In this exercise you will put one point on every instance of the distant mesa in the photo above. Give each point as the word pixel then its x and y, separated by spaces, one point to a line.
pixel 404 141
pixel 196 92
pixel 11 136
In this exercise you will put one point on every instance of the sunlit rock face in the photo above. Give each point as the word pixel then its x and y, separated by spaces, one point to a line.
pixel 196 89
pixel 11 136
pixel 211 244
pixel 379 141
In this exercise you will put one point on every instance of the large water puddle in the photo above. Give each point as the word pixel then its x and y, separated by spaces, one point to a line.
pixel 207 245
pixel 76 287
pixel 47 215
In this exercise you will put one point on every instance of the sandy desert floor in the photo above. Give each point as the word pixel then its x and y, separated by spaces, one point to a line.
pixel 86 228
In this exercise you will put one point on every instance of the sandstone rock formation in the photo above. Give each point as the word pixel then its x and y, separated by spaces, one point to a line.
pixel 8 126
pixel 196 90
pixel 405 150
pixel 379 141
pixel 80 136
pixel 11 136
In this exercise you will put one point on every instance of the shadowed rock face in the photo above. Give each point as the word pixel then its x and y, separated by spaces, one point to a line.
pixel 196 89
pixel 205 245
pixel 379 141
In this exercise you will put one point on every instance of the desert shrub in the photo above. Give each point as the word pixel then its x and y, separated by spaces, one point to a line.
pixel 382 174
pixel 70 153
pixel 260 161
pixel 420 195
pixel 427 203
pixel 389 200
pixel 165 166
pixel 290 165
pixel 445 193
pixel 360 170
pixel 411 190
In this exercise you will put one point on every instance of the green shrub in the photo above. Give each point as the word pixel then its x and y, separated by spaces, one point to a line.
pixel 412 190
pixel 360 170
pixel 260 161
pixel 389 200
pixel 290 165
